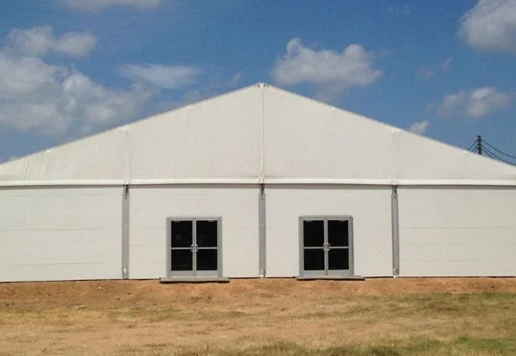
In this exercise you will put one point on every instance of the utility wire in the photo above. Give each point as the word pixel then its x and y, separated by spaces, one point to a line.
pixel 473 145
pixel 493 155
pixel 488 155
pixel 497 150
pixel 474 149
pixel 478 145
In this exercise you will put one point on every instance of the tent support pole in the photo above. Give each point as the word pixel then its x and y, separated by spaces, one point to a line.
pixel 395 232
pixel 125 232
pixel 262 231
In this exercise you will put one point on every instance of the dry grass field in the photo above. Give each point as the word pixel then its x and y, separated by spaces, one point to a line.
pixel 475 316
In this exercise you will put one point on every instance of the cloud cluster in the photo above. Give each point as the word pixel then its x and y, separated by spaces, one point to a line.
pixel 331 72
pixel 39 41
pixel 54 99
pixel 491 26
pixel 476 103
pixel 419 127
pixel 166 77
pixel 427 72
pixel 97 5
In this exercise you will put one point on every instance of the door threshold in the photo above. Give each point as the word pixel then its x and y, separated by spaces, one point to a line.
pixel 194 280
pixel 330 278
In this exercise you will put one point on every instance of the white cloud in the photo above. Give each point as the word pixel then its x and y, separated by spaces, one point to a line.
pixel 330 71
pixel 167 77
pixel 236 78
pixel 485 100
pixel 452 103
pixel 446 64
pixel 97 5
pixel 427 72
pixel 23 76
pixel 490 26
pixel 476 103
pixel 419 127
pixel 56 100
pixel 75 44
pixel 39 41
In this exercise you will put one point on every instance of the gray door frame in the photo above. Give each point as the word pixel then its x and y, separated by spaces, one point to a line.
pixel 194 248
pixel 327 272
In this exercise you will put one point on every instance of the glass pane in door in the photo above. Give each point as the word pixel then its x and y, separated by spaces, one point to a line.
pixel 338 233
pixel 313 233
pixel 206 233
pixel 207 260
pixel 338 259
pixel 181 260
pixel 182 232
pixel 314 259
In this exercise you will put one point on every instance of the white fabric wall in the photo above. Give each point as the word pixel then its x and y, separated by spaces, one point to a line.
pixel 214 140
pixel 311 142
pixel 370 208
pixel 218 139
pixel 96 159
pixel 60 233
pixel 457 231
pixel 150 207
pixel 254 135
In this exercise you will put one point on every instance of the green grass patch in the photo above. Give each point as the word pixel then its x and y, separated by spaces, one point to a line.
pixel 460 346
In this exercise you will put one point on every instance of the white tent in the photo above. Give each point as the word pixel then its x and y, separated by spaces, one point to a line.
pixel 263 174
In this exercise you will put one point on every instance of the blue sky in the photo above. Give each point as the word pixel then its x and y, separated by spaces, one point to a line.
pixel 69 68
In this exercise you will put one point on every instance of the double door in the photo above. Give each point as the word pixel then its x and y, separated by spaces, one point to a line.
pixel 326 246
pixel 194 247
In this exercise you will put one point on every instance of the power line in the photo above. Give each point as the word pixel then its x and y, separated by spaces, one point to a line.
pixel 479 147
pixel 488 155
pixel 493 155
pixel 474 149
pixel 476 146
pixel 473 145
pixel 499 151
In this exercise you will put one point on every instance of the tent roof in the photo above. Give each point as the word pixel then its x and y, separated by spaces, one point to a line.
pixel 258 134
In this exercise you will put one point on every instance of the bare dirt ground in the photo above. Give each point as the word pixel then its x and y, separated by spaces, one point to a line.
pixel 273 316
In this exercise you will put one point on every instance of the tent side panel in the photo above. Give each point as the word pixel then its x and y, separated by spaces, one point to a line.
pixel 370 208
pixel 307 140
pixel 49 234
pixel 99 157
pixel 457 231
pixel 150 207
pixel 213 139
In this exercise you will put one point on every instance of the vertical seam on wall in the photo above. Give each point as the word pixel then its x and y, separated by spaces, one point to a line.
pixel 125 208
pixel 262 149
pixel 395 232
pixel 125 232
pixel 262 242
pixel 126 174
pixel 262 211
